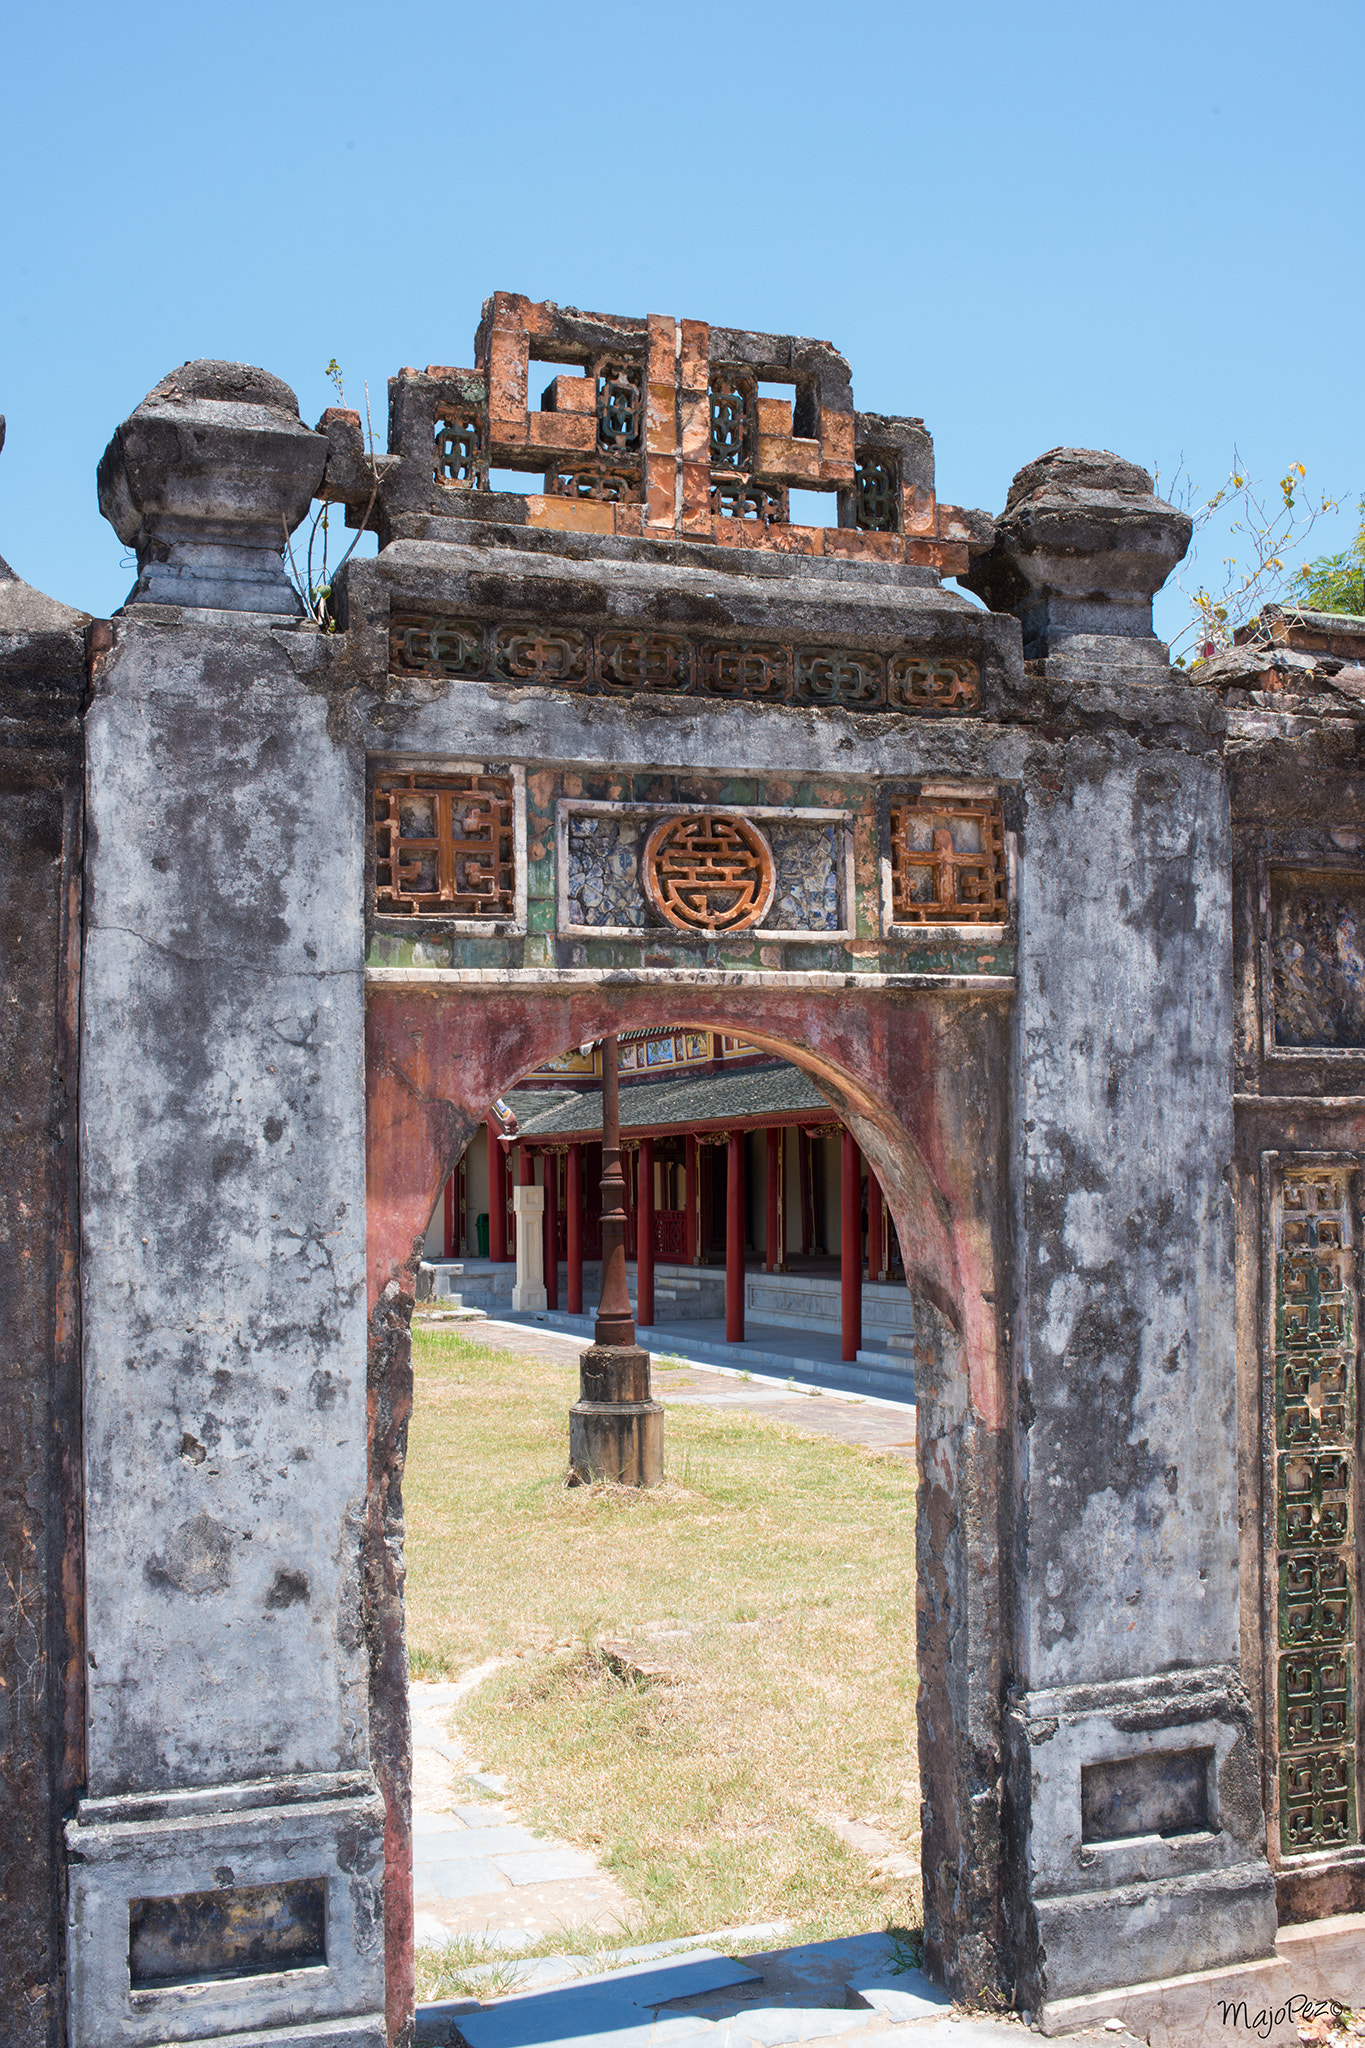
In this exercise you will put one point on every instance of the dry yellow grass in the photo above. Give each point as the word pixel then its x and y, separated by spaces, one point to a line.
pixel 772 1578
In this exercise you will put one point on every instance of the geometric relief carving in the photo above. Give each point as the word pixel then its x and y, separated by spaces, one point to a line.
pixel 435 647
pixel 1317 960
pixel 840 676
pixel 643 661
pixel 732 498
pixel 876 493
pixel 457 450
pixel 618 660
pixel 602 486
pixel 731 397
pixel 917 685
pixel 709 872
pixel 606 885
pixel 948 862
pixel 531 654
pixel 620 407
pixel 747 670
pixel 444 845
pixel 1316 1316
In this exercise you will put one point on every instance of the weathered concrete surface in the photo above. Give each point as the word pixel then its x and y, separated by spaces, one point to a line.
pixel 205 479
pixel 1080 550
pixel 223 1214
pixel 1124 1017
pixel 42 679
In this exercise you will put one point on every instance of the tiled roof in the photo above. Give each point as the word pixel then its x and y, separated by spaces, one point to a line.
pixel 768 1092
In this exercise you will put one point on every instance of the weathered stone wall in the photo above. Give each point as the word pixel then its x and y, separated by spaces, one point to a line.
pixel 42 678
pixel 1043 1088
pixel 223 1273
pixel 1127 1531
pixel 1296 751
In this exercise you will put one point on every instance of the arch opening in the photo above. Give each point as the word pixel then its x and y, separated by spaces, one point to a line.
pixel 899 1073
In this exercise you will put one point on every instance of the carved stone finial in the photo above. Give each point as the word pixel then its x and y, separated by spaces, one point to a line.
pixel 1081 549
pixel 205 480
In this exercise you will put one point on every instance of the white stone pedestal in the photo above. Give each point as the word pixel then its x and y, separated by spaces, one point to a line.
pixel 528 1205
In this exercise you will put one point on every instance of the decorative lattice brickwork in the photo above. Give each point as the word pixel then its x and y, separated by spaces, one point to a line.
pixel 444 846
pixel 1315 1577
pixel 948 862
pixel 620 661
pixel 662 427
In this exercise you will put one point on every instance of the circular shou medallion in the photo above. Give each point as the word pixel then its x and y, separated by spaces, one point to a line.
pixel 709 872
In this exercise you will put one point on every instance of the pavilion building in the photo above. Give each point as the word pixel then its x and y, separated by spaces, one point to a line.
pixel 746 1195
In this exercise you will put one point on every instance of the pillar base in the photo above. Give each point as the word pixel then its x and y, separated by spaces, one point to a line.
pixel 615 1430
pixel 231 1913
pixel 1145 1836
pixel 529 1300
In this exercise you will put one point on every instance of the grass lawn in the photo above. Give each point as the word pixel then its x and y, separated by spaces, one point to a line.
pixel 772 1576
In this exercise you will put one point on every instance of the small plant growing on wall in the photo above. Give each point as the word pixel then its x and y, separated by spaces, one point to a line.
pixel 314 581
pixel 1262 527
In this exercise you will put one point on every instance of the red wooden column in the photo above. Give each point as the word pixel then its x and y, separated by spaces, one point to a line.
pixel 773 1248
pixel 574 1230
pixel 690 1191
pixel 644 1236
pixel 497 1196
pixel 550 1228
pixel 448 1221
pixel 851 1246
pixel 803 1145
pixel 528 1166
pixel 876 1228
pixel 734 1240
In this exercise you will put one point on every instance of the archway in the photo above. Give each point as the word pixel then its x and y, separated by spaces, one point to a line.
pixel 912 1076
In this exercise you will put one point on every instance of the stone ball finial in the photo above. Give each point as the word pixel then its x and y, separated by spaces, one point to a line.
pixel 1081 548
pixel 206 480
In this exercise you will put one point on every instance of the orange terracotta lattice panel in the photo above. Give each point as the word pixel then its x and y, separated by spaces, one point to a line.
pixel 444 845
pixel 709 872
pixel 948 862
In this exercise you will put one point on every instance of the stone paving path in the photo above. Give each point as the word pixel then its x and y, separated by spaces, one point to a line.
pixel 818 1993
pixel 476 1869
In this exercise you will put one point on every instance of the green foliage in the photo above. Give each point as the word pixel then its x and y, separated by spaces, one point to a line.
pixel 1335 583
pixel 1260 527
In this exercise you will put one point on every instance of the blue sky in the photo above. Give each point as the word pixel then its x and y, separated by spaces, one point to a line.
pixel 1116 226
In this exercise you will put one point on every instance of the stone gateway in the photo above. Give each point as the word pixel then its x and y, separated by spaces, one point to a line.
pixel 604 739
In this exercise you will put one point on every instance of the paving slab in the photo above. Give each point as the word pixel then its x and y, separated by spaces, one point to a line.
pixel 902 1995
pixel 778 2026
pixel 585 2015
pixel 458 1839
pixel 817 1973
pixel 691 1976
pixel 544 1866
pixel 460 1878
pixel 512 1916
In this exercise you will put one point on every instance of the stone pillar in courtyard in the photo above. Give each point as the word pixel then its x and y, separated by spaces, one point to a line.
pixel 1130 1742
pixel 528 1206
pixel 616 1431
pixel 230 1845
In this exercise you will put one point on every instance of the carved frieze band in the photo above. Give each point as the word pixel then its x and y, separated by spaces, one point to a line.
pixel 1315 1371
pixel 618 662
